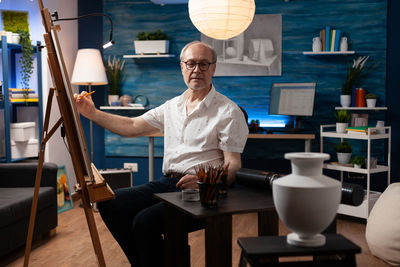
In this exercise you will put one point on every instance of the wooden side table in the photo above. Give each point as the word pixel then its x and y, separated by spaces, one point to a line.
pixel 264 250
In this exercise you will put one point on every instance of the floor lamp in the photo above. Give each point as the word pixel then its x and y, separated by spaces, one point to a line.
pixel 89 70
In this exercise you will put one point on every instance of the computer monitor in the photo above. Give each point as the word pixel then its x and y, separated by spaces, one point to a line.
pixel 295 99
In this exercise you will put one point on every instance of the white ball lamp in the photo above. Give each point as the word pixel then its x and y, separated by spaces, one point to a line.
pixel 221 19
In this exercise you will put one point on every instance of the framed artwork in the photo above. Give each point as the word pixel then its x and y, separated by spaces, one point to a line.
pixel 255 52
pixel 64 199
pixel 359 120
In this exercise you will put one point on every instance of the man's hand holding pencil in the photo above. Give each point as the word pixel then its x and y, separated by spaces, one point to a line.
pixel 85 95
pixel 84 103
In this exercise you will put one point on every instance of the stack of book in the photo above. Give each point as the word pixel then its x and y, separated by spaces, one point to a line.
pixel 360 130
pixel 330 39
pixel 22 95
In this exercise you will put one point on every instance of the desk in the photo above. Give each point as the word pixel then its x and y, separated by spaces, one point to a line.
pixel 298 136
pixel 218 221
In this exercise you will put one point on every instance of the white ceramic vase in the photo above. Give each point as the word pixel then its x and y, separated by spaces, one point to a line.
pixel 113 99
pixel 341 127
pixel 345 100
pixel 306 200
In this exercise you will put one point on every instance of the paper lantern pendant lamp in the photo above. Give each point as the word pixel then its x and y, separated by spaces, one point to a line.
pixel 221 19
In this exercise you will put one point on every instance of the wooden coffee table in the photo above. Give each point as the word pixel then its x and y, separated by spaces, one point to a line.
pixel 218 224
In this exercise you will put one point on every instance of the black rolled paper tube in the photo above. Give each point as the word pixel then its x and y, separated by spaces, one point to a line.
pixel 253 178
pixel 352 194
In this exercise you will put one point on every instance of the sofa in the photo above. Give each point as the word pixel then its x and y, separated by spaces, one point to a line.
pixel 17 181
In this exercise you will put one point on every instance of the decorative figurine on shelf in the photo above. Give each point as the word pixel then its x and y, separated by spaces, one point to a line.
pixel 343 44
pixel 316 46
pixel 254 126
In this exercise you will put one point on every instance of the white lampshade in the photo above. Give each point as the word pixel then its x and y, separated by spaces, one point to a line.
pixel 221 19
pixel 89 68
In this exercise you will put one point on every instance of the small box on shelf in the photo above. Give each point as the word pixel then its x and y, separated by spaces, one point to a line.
pixel 22 131
pixel 26 149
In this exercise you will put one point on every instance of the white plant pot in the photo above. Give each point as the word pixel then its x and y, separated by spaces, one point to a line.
pixel 306 200
pixel 112 99
pixel 357 166
pixel 371 103
pixel 152 47
pixel 341 127
pixel 343 158
pixel 15 38
pixel 345 100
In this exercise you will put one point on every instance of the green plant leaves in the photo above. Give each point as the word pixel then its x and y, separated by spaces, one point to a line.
pixel 157 35
pixel 342 116
pixel 26 60
pixel 14 21
pixel 343 147
pixel 115 74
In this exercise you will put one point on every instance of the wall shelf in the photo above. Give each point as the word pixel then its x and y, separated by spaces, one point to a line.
pixel 150 56
pixel 330 53
pixel 361 108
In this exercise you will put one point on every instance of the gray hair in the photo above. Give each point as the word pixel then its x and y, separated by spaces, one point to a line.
pixel 214 54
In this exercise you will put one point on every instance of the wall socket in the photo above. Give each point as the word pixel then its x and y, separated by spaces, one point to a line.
pixel 132 166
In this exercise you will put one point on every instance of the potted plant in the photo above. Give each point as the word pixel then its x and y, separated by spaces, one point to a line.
pixel 354 73
pixel 115 75
pixel 358 161
pixel 342 119
pixel 25 61
pixel 13 23
pixel 152 43
pixel 343 151
pixel 371 100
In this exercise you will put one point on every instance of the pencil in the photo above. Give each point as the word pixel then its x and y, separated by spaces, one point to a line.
pixel 86 94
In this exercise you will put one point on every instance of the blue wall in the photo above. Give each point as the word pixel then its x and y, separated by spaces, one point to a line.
pixel 363 22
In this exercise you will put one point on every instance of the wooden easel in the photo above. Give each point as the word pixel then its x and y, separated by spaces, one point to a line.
pixel 91 184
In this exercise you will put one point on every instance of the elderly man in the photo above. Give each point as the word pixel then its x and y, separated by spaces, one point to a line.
pixel 201 126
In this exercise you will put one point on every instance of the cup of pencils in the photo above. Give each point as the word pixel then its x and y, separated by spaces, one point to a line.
pixel 209 184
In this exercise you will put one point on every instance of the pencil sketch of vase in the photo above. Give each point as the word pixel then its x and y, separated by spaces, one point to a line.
pixel 255 52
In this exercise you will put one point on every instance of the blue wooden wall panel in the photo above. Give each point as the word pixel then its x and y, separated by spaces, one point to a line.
pixel 362 21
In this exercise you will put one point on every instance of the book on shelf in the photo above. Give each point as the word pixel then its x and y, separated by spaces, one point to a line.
pixel 19 90
pixel 337 39
pixel 322 37
pixel 332 40
pixel 136 106
pixel 22 96
pixel 21 100
pixel 353 96
pixel 327 37
pixel 360 130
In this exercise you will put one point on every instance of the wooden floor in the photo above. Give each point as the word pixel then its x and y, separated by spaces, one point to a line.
pixel 72 246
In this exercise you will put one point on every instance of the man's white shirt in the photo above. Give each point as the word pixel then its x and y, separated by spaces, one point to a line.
pixel 216 124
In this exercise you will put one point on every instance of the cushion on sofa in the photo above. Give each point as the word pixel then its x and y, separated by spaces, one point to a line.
pixel 16 203
pixel 383 226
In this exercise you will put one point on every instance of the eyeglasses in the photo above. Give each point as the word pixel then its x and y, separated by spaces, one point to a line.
pixel 191 65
